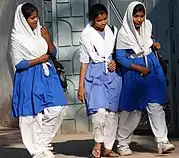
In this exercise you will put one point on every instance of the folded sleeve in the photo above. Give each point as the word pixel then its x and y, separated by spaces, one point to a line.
pixel 84 57
pixel 22 65
pixel 121 57
pixel 54 53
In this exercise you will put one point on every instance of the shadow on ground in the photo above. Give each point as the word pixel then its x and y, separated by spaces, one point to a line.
pixel 10 152
pixel 81 148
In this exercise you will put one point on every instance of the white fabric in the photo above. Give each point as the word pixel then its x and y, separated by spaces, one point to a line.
pixel 129 121
pixel 157 120
pixel 104 125
pixel 26 43
pixel 91 38
pixel 129 38
pixel 38 131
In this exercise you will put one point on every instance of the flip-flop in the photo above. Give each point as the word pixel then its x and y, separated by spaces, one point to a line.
pixel 110 154
pixel 95 153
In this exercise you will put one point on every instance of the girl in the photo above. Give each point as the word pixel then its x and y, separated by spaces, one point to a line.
pixel 144 84
pixel 38 99
pixel 100 85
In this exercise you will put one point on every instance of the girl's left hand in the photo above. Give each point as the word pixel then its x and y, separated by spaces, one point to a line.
pixel 45 34
pixel 156 46
pixel 112 66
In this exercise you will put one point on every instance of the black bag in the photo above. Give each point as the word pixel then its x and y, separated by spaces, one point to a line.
pixel 163 64
pixel 61 72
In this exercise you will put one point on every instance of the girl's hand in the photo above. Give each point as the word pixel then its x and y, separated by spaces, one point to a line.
pixel 112 66
pixel 81 94
pixel 144 70
pixel 156 46
pixel 45 34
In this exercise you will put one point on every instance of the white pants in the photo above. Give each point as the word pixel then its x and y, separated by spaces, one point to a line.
pixel 129 121
pixel 104 126
pixel 38 131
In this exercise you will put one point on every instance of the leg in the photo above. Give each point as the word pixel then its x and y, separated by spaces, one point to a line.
pixel 31 132
pixel 127 124
pixel 52 120
pixel 157 121
pixel 110 130
pixel 98 122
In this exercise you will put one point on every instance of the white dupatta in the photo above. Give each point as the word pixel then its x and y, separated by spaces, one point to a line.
pixel 95 47
pixel 129 38
pixel 27 44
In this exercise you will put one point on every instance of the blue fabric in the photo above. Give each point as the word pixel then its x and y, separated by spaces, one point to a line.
pixel 24 64
pixel 54 52
pixel 123 58
pixel 33 91
pixel 138 91
pixel 102 90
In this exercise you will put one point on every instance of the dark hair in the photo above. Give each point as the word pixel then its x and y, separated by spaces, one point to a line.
pixel 28 9
pixel 96 10
pixel 138 8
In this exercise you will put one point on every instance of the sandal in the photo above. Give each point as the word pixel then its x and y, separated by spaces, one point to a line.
pixel 111 153
pixel 95 153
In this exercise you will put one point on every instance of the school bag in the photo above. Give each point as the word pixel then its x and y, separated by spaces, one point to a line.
pixel 61 73
pixel 162 62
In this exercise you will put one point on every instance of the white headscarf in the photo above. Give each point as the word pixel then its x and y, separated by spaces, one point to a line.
pixel 129 38
pixel 26 43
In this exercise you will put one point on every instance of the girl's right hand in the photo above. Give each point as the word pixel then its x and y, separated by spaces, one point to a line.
pixel 44 58
pixel 144 70
pixel 81 94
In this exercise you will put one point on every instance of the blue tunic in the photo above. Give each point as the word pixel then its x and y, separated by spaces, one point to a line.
pixel 33 91
pixel 137 90
pixel 102 89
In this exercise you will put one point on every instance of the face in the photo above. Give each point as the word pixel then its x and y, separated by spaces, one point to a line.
pixel 138 19
pixel 33 19
pixel 100 22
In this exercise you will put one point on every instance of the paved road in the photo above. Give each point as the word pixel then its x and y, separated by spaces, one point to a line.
pixel 77 146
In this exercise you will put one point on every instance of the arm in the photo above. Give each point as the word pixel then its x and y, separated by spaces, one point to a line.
pixel 22 65
pixel 25 64
pixel 42 59
pixel 121 57
pixel 156 45
pixel 84 59
pixel 81 89
pixel 46 35
pixel 83 69
pixel 54 53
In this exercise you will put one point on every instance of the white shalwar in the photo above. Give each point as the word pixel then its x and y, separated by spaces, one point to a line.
pixel 104 126
pixel 39 130
pixel 129 121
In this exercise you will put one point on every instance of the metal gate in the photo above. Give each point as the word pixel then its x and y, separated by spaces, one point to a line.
pixel 67 18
